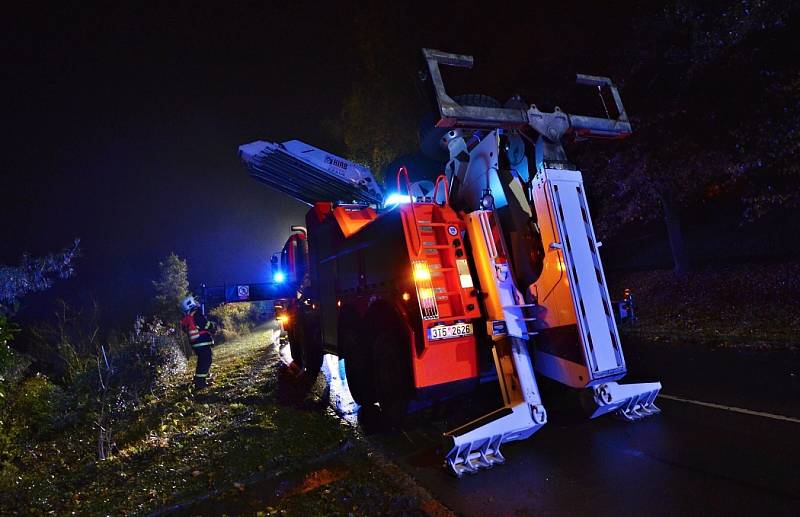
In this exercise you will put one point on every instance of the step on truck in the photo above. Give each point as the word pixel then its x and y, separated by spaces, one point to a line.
pixel 425 288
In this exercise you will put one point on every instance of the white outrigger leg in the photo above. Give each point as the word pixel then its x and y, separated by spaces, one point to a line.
pixel 477 444
pixel 577 342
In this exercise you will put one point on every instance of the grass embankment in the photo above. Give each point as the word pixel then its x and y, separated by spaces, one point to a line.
pixel 747 305
pixel 248 446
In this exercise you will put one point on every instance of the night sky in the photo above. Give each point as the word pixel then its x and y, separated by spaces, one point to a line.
pixel 121 124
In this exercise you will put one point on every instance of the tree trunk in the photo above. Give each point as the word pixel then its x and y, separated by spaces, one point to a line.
pixel 676 243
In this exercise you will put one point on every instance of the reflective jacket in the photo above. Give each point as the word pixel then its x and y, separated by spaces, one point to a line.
pixel 198 328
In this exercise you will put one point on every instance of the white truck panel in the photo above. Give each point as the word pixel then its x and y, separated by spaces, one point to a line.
pixel 573 286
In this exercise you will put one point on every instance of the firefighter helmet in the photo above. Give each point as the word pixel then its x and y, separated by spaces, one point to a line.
pixel 189 303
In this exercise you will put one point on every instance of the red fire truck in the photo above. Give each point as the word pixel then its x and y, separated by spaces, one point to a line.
pixel 493 269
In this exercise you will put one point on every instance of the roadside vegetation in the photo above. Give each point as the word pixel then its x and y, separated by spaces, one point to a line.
pixel 95 423
pixel 66 377
pixel 747 305
pixel 251 445
pixel 237 319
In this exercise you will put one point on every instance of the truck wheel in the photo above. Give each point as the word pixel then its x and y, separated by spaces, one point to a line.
pixel 310 345
pixel 294 337
pixel 391 363
pixel 357 354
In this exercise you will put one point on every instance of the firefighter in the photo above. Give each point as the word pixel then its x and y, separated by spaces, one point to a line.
pixel 200 332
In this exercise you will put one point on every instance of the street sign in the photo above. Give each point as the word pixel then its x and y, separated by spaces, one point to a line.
pixel 216 295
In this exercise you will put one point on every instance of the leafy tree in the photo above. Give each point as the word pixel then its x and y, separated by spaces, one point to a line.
pixel 28 412
pixel 692 73
pixel 768 169
pixel 35 274
pixel 379 115
pixel 171 287
pixel 31 275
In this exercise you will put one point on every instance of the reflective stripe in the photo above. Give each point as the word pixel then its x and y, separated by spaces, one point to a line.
pixel 198 345
pixel 201 375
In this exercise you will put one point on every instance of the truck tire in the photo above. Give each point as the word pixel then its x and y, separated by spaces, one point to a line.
pixel 294 343
pixel 391 346
pixel 357 357
pixel 309 344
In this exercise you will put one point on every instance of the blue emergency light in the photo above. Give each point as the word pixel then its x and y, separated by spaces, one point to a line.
pixel 396 199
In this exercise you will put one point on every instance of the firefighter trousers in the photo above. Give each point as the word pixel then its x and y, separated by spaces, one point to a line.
pixel 204 356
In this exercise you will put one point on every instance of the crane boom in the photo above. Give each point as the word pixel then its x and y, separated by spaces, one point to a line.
pixel 309 174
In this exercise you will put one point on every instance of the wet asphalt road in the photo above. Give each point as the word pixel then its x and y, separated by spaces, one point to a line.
pixel 689 460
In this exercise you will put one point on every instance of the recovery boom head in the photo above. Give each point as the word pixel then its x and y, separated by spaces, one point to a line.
pixel 552 126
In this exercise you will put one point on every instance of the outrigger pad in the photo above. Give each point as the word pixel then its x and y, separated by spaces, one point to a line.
pixel 476 445
pixel 629 401
pixel 471 457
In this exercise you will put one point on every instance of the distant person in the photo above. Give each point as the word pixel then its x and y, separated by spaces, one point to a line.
pixel 200 332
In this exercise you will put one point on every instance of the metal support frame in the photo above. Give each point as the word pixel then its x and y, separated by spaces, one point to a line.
pixel 552 126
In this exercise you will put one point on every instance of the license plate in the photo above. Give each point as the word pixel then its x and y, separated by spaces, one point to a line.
pixel 450 331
